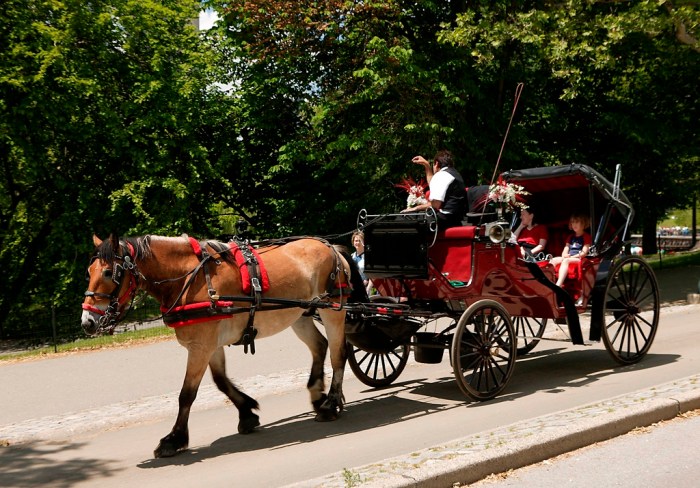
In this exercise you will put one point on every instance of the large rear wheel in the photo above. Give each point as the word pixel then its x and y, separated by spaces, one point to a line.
pixel 631 310
pixel 482 355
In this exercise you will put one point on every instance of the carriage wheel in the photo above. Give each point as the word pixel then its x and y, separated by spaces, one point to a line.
pixel 630 310
pixel 378 368
pixel 528 331
pixel 481 359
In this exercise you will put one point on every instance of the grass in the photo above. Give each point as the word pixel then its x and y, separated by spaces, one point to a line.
pixel 92 343
pixel 674 260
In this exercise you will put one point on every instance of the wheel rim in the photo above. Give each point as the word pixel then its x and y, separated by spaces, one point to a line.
pixel 631 310
pixel 482 359
pixel 378 369
pixel 528 331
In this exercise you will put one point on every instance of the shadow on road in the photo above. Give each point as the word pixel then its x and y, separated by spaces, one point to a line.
pixel 549 370
pixel 33 464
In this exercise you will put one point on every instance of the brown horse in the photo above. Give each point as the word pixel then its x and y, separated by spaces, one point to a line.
pixel 200 288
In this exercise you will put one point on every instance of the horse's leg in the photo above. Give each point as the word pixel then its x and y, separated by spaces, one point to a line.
pixel 178 438
pixel 334 323
pixel 247 420
pixel 306 330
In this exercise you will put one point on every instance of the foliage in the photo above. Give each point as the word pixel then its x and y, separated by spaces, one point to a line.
pixel 118 116
pixel 105 113
pixel 613 84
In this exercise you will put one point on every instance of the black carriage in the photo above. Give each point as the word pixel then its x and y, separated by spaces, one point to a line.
pixel 469 291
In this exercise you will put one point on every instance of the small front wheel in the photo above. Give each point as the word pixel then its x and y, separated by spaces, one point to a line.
pixel 482 354
pixel 377 369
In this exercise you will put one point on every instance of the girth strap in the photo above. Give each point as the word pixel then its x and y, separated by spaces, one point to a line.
pixel 253 268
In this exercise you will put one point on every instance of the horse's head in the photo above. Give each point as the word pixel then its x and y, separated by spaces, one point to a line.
pixel 109 287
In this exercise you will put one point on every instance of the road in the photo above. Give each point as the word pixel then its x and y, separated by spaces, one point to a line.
pixel 94 418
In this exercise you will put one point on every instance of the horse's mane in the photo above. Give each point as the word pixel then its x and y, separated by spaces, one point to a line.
pixel 223 249
pixel 141 246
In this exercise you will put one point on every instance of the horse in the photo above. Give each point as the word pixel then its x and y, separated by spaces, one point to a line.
pixel 200 287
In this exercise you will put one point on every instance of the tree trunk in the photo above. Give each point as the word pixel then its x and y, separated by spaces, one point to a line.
pixel 649 237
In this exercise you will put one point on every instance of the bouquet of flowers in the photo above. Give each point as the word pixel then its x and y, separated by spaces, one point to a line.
pixel 416 191
pixel 507 194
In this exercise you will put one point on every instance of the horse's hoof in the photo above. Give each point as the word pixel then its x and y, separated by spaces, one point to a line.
pixel 248 424
pixel 169 446
pixel 167 450
pixel 318 404
pixel 327 414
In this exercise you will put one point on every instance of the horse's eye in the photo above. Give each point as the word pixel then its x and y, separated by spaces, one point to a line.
pixel 107 274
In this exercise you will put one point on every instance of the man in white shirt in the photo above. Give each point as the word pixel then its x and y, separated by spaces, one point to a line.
pixel 448 195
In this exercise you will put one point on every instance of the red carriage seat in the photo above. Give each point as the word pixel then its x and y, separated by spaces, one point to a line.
pixel 452 253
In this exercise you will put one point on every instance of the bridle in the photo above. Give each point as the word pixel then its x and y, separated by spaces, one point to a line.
pixel 110 316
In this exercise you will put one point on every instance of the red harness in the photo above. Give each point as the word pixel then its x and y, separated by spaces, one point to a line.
pixel 195 313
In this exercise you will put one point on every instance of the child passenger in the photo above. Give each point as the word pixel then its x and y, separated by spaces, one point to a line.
pixel 577 245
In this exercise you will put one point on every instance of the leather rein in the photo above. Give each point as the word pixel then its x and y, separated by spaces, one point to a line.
pixel 218 306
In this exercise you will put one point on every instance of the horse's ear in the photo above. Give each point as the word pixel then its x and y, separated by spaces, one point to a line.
pixel 96 240
pixel 114 240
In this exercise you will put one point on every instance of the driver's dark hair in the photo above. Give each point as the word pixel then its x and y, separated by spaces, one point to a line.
pixel 444 159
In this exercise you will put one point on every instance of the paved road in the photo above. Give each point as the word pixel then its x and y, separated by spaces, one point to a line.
pixel 124 398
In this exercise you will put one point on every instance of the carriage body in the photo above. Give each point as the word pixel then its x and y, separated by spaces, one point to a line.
pixel 476 269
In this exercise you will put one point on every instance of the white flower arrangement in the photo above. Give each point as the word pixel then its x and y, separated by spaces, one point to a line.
pixel 503 193
pixel 416 192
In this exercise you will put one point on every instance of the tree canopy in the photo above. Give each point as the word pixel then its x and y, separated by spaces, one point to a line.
pixel 119 116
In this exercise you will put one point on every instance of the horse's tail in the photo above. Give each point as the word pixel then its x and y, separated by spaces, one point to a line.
pixel 359 292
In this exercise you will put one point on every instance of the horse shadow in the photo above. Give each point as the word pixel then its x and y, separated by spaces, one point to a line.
pixel 551 371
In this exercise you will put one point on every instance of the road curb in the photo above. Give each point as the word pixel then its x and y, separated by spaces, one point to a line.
pixel 472 458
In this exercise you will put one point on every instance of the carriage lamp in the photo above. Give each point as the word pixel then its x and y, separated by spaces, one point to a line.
pixel 497 232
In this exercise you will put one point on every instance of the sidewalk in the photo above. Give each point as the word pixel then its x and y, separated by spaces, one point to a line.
pixel 473 458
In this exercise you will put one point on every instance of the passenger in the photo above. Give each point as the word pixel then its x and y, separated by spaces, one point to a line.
pixel 358 242
pixel 577 245
pixel 448 196
pixel 529 234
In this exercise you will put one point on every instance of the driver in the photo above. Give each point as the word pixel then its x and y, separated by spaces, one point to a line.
pixel 448 196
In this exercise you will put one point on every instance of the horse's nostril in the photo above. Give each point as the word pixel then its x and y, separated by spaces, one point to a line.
pixel 89 324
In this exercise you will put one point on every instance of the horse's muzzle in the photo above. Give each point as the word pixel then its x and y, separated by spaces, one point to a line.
pixel 89 321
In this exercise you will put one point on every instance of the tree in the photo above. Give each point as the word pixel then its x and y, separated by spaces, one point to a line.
pixel 615 84
pixel 104 109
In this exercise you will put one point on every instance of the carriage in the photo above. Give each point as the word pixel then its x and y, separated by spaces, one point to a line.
pixel 470 291
pixel 466 289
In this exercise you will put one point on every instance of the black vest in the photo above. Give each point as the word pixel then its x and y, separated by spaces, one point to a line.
pixel 456 197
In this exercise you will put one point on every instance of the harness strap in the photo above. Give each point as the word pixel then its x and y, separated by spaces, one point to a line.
pixel 204 256
pixel 253 268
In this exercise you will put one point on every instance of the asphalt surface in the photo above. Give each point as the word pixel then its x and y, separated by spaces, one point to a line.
pixel 456 463
pixel 477 458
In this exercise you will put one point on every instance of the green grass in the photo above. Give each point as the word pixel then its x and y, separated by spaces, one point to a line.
pixel 680 218
pixel 675 260
pixel 91 343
